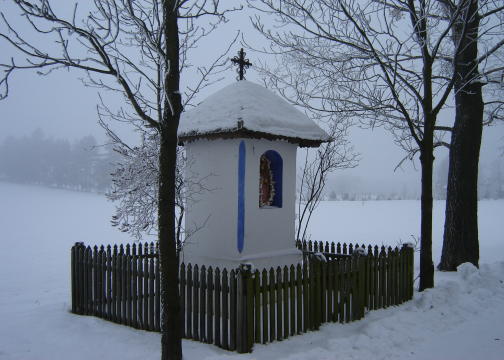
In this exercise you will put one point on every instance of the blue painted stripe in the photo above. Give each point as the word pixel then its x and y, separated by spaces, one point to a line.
pixel 240 234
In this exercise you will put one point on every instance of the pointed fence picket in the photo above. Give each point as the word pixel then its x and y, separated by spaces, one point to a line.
pixel 236 308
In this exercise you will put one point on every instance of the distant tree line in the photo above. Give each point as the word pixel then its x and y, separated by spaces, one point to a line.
pixel 490 179
pixel 36 159
pixel 369 196
pixel 490 185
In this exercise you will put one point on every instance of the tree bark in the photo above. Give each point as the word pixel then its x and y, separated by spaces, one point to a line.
pixel 427 164
pixel 171 343
pixel 460 241
pixel 171 336
pixel 426 264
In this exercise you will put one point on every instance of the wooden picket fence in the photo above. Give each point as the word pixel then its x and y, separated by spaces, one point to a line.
pixel 120 284
pixel 237 308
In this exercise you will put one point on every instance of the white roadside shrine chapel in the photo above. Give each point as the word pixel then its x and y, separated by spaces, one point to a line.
pixel 241 143
pixel 240 215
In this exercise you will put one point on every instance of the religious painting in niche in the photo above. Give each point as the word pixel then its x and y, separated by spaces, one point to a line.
pixel 266 186
pixel 270 180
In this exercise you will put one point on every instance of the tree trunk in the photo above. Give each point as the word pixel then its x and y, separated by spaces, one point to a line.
pixel 460 242
pixel 427 164
pixel 171 336
pixel 426 264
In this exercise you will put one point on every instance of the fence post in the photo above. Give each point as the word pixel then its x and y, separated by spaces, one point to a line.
pixel 210 306
pixel 182 292
pixel 76 269
pixel 409 250
pixel 72 272
pixel 217 284
pixel 316 291
pixel 134 269
pixel 196 286
pixel 203 304
pixel 88 258
pixel 233 299
pixel 360 291
pixel 225 309
pixel 245 321
pixel 354 285
pixel 158 294
pixel 279 302
pixel 94 281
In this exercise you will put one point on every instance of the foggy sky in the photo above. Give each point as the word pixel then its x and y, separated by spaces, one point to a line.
pixel 62 107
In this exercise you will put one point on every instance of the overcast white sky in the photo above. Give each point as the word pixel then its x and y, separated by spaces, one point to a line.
pixel 62 107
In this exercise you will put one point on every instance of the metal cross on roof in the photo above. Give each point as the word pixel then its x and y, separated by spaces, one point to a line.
pixel 242 63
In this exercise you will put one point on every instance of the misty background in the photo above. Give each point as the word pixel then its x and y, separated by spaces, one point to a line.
pixel 49 132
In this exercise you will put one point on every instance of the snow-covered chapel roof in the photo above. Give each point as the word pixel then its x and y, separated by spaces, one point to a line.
pixel 246 109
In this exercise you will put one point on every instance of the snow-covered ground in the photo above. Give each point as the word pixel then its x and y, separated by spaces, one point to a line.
pixel 462 318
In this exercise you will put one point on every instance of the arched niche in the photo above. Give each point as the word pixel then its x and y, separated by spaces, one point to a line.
pixel 270 180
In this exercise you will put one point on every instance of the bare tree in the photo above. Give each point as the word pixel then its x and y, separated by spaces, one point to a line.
pixel 135 188
pixel 318 164
pixel 331 156
pixel 384 63
pixel 135 179
pixel 132 48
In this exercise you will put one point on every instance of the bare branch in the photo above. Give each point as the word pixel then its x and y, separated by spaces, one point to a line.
pixel 336 155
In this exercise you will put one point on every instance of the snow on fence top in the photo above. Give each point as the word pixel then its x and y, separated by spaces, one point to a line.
pixel 245 109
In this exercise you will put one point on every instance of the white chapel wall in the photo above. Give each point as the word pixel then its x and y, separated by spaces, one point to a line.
pixel 269 232
pixel 212 212
pixel 269 229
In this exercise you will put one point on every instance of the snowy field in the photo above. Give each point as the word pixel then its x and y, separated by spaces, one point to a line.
pixel 462 318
